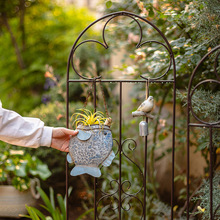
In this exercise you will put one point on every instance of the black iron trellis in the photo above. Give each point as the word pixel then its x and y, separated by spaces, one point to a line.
pixel 201 123
pixel 120 142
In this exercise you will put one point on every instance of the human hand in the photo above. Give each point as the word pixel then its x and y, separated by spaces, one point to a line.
pixel 61 138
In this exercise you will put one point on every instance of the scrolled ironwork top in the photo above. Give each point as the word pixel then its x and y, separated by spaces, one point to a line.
pixel 105 45
pixel 192 88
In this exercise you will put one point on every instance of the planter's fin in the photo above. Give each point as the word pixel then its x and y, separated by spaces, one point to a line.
pixel 69 159
pixel 83 135
pixel 93 171
pixel 107 162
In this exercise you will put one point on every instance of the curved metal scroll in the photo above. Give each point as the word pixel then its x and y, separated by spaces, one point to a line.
pixel 205 124
pixel 120 195
pixel 127 195
pixel 111 16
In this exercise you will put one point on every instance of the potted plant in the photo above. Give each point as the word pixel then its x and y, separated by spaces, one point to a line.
pixel 93 144
pixel 56 210
pixel 18 179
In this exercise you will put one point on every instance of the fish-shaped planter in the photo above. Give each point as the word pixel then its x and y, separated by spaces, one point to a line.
pixel 91 147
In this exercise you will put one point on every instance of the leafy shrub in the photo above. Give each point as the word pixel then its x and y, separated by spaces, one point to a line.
pixel 202 198
pixel 55 213
pixel 18 168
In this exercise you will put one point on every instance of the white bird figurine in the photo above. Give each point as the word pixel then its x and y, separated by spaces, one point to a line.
pixel 147 105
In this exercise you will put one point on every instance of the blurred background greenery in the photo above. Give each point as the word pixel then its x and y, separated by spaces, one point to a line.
pixel 36 37
pixel 35 34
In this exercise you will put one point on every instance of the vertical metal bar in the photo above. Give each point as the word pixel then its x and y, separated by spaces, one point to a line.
pixel 211 171
pixel 67 166
pixel 187 168
pixel 120 148
pixel 94 91
pixel 95 179
pixel 67 186
pixel 145 174
pixel 173 139
pixel 145 162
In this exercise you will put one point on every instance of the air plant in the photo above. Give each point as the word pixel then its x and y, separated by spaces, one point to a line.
pixel 88 118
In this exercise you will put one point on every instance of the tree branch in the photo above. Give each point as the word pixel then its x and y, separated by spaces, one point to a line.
pixel 13 40
pixel 21 25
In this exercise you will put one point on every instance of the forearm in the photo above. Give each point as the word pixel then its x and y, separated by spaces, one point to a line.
pixel 23 131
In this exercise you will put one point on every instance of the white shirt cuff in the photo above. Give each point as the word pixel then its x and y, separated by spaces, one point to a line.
pixel 46 137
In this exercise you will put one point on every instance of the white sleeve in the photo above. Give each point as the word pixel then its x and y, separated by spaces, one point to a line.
pixel 23 131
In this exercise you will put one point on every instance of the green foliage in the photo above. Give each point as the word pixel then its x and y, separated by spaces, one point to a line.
pixel 161 211
pixel 176 20
pixel 86 117
pixel 55 213
pixel 18 168
pixel 206 105
pixel 53 114
pixel 108 4
pixel 49 31
pixel 205 19
pixel 203 197
pixel 113 6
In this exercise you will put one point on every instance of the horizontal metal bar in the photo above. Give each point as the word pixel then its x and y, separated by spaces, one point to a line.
pixel 121 80
pixel 203 125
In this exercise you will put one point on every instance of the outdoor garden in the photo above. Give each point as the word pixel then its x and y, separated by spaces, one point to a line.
pixel 36 39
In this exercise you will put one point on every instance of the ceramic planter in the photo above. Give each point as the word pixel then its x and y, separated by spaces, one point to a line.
pixel 90 148
pixel 12 201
